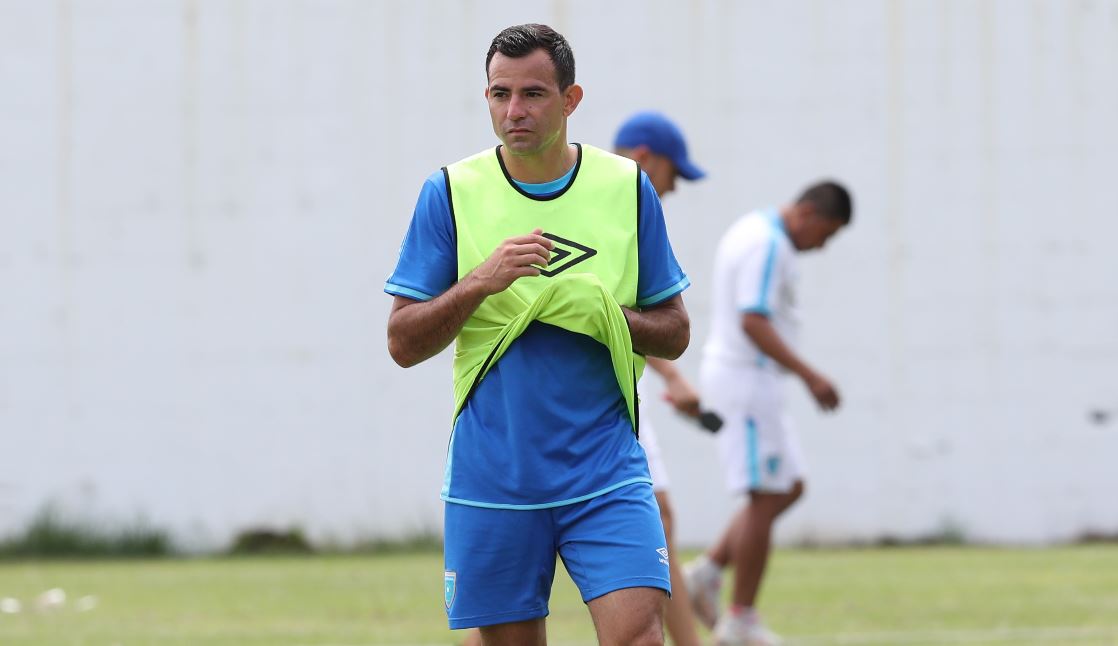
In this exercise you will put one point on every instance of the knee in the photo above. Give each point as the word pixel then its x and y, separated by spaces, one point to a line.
pixel 797 492
pixel 651 630
pixel 652 635
pixel 633 617
pixel 790 498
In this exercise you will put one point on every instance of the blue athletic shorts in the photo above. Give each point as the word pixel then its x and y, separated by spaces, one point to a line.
pixel 500 562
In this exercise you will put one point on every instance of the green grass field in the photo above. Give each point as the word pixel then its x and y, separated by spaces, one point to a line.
pixel 872 596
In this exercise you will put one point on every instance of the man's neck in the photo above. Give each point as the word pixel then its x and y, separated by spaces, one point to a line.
pixel 546 166
pixel 789 217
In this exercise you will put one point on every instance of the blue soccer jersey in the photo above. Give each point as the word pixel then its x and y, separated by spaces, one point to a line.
pixel 547 425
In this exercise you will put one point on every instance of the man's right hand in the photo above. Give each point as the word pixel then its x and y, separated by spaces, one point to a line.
pixel 418 330
pixel 514 258
pixel 822 390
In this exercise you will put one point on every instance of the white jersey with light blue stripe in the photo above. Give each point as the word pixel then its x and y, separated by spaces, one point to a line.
pixel 754 271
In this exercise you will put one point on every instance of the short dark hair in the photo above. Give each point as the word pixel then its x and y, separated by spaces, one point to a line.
pixel 520 40
pixel 830 199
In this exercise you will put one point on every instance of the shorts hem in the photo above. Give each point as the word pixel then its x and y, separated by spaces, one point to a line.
pixel 546 505
pixel 499 618
pixel 763 488
pixel 631 582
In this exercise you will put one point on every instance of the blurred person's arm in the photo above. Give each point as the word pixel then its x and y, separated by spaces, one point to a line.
pixel 761 331
pixel 680 393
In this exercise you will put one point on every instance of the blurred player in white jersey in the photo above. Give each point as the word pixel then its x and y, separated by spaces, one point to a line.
pixel 749 351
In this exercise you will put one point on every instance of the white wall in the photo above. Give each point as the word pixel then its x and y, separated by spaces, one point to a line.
pixel 200 201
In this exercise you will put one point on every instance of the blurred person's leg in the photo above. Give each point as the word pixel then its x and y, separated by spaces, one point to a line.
pixel 751 551
pixel 678 616
pixel 721 554
pixel 741 625
pixel 760 455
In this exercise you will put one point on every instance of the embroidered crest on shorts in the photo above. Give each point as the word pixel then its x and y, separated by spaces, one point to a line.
pixel 449 587
pixel 774 464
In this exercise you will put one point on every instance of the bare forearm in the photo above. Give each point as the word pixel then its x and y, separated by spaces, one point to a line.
pixel 418 330
pixel 660 331
pixel 767 339
pixel 678 391
pixel 765 336
pixel 663 367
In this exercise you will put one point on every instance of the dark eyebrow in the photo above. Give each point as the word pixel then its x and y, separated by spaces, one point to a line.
pixel 531 88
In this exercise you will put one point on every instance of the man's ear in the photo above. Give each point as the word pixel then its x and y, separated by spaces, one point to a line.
pixel 571 98
pixel 641 154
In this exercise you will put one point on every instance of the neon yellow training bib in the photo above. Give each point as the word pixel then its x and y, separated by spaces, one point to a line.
pixel 593 269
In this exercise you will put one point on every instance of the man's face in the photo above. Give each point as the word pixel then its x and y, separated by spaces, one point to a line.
pixel 816 230
pixel 661 172
pixel 528 110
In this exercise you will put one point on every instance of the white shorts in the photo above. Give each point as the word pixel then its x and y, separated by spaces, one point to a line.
pixel 757 445
pixel 647 438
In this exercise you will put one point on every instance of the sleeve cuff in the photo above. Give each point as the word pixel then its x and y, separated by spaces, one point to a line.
pixel 757 309
pixel 400 290
pixel 663 295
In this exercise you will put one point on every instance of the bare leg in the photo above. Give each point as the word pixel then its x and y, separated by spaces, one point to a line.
pixel 628 617
pixel 751 553
pixel 473 638
pixel 722 552
pixel 678 615
pixel 520 633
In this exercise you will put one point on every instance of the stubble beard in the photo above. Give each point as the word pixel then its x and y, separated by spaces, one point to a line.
pixel 534 150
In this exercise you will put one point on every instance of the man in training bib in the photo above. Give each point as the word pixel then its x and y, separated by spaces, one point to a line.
pixel 548 264
pixel 751 346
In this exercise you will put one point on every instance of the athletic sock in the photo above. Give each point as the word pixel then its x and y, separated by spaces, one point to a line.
pixel 705 564
pixel 744 614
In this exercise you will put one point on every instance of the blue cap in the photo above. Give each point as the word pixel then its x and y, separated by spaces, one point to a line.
pixel 662 137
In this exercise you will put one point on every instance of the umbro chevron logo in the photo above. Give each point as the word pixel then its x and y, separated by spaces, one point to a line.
pixel 566 254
